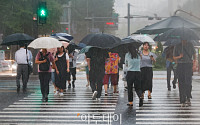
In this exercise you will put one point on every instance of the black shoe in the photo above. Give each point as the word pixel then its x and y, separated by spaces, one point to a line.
pixel 24 90
pixel 73 85
pixel 169 89
pixel 129 104
pixel 69 86
pixel 46 99
pixel 18 89
pixel 141 102
pixel 43 99
pixel 174 86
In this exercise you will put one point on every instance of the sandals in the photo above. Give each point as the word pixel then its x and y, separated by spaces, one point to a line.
pixel 129 104
pixel 149 97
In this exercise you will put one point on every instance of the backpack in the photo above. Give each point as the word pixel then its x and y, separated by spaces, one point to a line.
pixel 44 66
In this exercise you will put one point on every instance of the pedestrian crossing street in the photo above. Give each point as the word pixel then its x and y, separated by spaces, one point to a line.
pixel 165 109
pixel 75 107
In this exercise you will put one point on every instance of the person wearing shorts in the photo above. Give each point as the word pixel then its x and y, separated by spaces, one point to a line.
pixel 111 71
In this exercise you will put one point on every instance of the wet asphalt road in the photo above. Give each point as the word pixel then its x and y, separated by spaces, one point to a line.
pixel 76 107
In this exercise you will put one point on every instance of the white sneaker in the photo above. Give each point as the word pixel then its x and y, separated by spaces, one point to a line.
pixel 56 93
pixel 94 95
pixel 98 99
pixel 61 94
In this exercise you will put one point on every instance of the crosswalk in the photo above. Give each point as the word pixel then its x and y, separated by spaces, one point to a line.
pixel 75 107
pixel 165 109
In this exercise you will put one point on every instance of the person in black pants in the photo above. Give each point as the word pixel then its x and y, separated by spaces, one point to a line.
pixel 43 59
pixel 96 63
pixel 132 60
pixel 185 55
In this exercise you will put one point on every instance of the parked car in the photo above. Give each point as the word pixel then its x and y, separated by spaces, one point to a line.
pixel 81 62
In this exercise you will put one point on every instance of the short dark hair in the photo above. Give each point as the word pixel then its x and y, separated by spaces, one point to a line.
pixel 22 45
pixel 146 43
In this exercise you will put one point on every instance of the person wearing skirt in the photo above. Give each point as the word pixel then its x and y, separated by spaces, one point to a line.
pixel 62 64
pixel 147 59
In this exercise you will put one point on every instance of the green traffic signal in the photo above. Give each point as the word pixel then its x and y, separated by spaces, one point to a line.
pixel 42 12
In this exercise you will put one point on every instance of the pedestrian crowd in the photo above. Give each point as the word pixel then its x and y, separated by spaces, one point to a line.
pixel 103 68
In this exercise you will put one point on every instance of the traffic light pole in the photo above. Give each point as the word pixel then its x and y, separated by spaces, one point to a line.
pixel 35 32
pixel 128 17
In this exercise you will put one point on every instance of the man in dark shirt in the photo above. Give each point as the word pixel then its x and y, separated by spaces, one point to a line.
pixel 96 63
pixel 185 55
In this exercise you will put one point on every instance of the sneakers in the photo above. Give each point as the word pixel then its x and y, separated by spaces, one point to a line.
pixel 141 102
pixel 61 94
pixel 98 99
pixel 56 93
pixel 188 102
pixel 183 105
pixel 69 86
pixel 94 95
pixel 106 94
pixel 174 86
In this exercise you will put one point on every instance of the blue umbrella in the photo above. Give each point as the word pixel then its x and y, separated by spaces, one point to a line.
pixel 65 35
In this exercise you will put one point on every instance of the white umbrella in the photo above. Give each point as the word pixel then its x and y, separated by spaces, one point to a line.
pixel 143 38
pixel 45 43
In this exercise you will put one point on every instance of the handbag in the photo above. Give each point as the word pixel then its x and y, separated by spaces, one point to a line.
pixel 44 66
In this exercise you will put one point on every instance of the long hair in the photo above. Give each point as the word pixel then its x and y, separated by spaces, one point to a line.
pixel 133 51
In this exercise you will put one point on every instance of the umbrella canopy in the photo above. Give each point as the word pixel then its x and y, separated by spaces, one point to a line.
pixel 60 38
pixel 178 33
pixel 71 47
pixel 45 43
pixel 166 24
pixel 143 38
pixel 65 35
pixel 104 41
pixel 17 39
pixel 173 42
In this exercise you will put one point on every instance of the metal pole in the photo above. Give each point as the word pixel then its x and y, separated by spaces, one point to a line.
pixel 128 17
pixel 69 16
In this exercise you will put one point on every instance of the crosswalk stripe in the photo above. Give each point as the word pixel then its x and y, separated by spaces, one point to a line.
pixel 65 103
pixel 61 113
pixel 61 109
pixel 168 123
pixel 64 106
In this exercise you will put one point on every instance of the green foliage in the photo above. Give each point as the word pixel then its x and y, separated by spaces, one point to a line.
pixel 160 48
pixel 160 62
pixel 16 16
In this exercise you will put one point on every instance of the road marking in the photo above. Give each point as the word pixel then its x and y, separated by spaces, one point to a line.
pixel 64 106
pixel 63 109
pixel 65 103
pixel 36 112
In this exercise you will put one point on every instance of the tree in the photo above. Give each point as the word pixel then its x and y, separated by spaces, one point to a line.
pixel 16 16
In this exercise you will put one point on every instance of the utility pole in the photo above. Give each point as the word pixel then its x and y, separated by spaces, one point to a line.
pixel 128 17
pixel 35 33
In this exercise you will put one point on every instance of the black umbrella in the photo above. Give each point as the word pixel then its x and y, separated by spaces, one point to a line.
pixel 179 34
pixel 122 48
pixel 17 39
pixel 104 41
pixel 173 42
pixel 166 24
pixel 71 47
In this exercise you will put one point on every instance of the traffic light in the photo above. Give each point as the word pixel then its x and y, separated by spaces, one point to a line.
pixel 42 12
